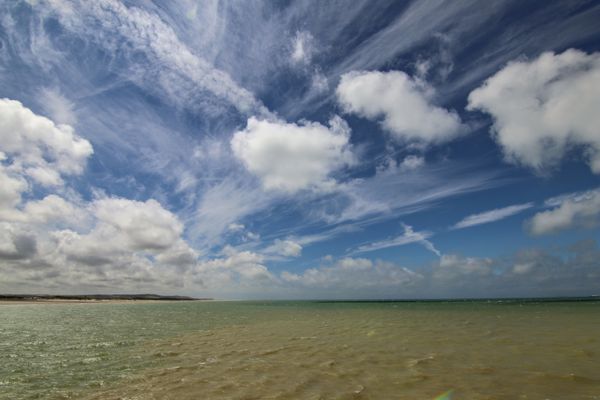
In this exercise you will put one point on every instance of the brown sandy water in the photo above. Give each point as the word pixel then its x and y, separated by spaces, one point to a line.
pixel 303 350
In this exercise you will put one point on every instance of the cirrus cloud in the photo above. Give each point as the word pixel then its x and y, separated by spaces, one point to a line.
pixel 491 215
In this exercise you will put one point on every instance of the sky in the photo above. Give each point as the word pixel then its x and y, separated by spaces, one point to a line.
pixel 300 149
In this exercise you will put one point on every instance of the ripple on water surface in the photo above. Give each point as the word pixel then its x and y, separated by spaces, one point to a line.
pixel 301 351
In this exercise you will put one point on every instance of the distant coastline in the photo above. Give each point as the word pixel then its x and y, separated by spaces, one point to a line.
pixel 139 298
pixel 93 298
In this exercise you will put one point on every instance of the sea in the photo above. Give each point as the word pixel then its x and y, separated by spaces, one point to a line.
pixel 486 349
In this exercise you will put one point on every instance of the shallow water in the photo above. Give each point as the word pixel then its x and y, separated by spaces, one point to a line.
pixel 300 350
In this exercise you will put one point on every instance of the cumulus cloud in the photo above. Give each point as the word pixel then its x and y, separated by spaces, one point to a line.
pixel 11 187
pixel 40 150
pixel 284 248
pixel 138 225
pixel 236 270
pixel 571 270
pixel 491 215
pixel 544 107
pixel 35 153
pixel 290 157
pixel 454 267
pixel 53 209
pixel 405 105
pixel 576 210
pixel 126 243
pixel 522 268
pixel 122 229
pixel 16 243
pixel 353 273
pixel 409 236
pixel 59 240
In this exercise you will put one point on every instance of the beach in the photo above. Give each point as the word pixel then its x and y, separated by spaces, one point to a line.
pixel 66 301
pixel 302 350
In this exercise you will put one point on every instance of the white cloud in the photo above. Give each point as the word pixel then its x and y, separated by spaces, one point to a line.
pixel 252 236
pixel 236 270
pixel 578 210
pixel 522 268
pixel 438 65
pixel 227 202
pixel 53 208
pixel 137 225
pixel 491 215
pixel 545 107
pixel 450 275
pixel 60 240
pixel 409 236
pixel 59 108
pixel 354 273
pixel 412 162
pixel 324 235
pixel 303 48
pixel 235 227
pixel 285 248
pixel 124 230
pixel 117 244
pixel 292 157
pixel 396 190
pixel 319 82
pixel 40 149
pixel 16 243
pixel 183 75
pixel 558 200
pixel 569 271
pixel 180 255
pixel 242 233
pixel 461 271
pixel 11 187
pixel 34 150
pixel 405 104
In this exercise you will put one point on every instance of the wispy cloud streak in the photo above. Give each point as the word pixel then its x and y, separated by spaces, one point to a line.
pixel 491 215
pixel 409 236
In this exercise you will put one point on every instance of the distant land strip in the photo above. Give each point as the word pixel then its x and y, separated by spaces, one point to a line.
pixel 94 297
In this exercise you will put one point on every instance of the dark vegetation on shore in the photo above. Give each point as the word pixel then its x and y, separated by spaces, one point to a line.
pixel 84 297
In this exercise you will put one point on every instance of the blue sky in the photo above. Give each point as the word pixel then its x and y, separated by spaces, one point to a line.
pixel 305 149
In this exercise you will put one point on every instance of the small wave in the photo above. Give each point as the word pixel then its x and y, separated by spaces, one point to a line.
pixel 304 338
pixel 161 354
pixel 418 361
pixel 273 351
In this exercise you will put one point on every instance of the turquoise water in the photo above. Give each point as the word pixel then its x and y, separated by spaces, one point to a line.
pixel 300 350
pixel 56 349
